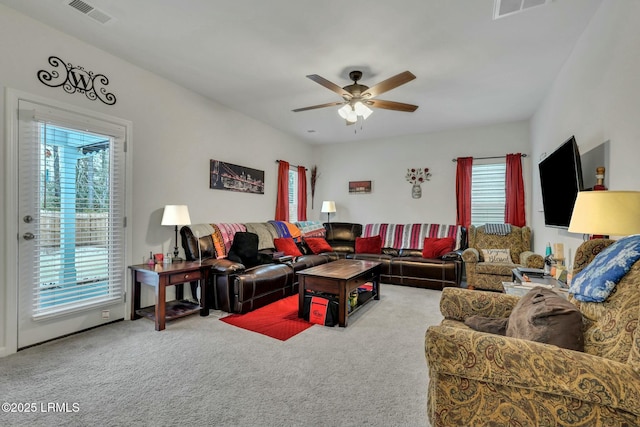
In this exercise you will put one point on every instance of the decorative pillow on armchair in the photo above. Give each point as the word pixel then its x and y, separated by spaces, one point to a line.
pixel 437 247
pixel 369 245
pixel 598 279
pixel 541 315
pixel 502 256
pixel 318 245
pixel 544 316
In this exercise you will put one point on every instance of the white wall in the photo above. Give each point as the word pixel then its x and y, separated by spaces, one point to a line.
pixel 596 97
pixel 385 163
pixel 175 134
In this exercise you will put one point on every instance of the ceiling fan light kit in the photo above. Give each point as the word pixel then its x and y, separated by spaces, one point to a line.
pixel 358 98
pixel 351 112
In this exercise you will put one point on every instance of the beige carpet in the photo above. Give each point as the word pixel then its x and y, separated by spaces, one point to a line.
pixel 201 371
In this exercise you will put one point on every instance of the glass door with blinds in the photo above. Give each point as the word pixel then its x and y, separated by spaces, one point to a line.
pixel 71 242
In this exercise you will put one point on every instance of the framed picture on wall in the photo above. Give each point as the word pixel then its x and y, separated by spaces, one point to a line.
pixel 359 187
pixel 227 176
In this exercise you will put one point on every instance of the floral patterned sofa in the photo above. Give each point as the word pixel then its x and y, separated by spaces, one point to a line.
pixel 483 274
pixel 479 378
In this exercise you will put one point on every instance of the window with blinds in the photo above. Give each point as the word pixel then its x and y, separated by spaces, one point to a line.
pixel 293 195
pixel 488 193
pixel 73 188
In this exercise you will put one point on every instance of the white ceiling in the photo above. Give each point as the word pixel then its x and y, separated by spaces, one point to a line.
pixel 253 55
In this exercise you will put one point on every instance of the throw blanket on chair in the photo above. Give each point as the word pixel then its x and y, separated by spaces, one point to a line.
pixel 497 229
pixel 599 278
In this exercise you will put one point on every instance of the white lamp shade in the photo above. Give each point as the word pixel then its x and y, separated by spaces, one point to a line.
pixel 328 206
pixel 176 215
pixel 615 213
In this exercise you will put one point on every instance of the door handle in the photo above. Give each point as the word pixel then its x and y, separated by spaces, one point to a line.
pixel 28 236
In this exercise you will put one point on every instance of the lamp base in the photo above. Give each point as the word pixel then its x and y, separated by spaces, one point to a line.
pixel 598 236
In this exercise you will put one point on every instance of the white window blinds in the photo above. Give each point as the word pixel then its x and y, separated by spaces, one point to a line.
pixel 72 186
pixel 488 193
pixel 293 195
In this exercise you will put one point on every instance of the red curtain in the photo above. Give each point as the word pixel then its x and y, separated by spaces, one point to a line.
pixel 463 191
pixel 514 213
pixel 302 193
pixel 282 200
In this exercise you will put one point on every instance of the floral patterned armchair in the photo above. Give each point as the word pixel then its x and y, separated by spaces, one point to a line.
pixel 478 378
pixel 482 274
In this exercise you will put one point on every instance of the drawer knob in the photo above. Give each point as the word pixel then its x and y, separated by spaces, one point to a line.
pixel 186 276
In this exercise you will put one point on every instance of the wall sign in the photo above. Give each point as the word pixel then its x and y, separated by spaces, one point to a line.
pixel 357 187
pixel 227 176
pixel 76 79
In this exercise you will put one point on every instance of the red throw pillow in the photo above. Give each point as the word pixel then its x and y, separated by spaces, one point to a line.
pixel 369 245
pixel 318 245
pixel 435 248
pixel 287 245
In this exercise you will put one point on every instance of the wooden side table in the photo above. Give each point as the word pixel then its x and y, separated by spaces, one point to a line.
pixel 160 276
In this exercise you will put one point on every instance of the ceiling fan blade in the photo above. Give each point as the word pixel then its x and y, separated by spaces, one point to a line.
pixel 391 105
pixel 313 107
pixel 329 85
pixel 390 83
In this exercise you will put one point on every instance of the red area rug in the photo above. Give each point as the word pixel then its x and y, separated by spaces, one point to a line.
pixel 278 320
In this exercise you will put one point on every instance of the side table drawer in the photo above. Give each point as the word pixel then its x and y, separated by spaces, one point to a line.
pixel 191 276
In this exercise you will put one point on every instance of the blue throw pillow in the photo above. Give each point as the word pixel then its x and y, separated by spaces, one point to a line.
pixel 596 281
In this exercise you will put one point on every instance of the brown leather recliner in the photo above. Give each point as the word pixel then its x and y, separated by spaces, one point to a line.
pixel 237 289
pixel 342 236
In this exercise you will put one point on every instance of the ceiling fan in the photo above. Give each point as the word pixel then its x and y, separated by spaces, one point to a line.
pixel 357 98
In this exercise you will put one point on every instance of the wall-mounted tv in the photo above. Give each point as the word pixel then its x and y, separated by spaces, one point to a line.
pixel 560 180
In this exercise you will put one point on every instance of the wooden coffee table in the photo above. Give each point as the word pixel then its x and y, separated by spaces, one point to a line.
pixel 339 278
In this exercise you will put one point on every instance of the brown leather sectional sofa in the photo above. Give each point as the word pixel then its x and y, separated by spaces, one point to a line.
pixel 401 266
pixel 238 289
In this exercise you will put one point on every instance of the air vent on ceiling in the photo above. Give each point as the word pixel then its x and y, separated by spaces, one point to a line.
pixel 504 8
pixel 90 11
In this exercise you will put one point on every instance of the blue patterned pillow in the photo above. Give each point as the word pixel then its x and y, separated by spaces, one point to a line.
pixel 596 281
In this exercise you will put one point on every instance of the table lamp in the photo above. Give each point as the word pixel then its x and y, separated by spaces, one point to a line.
pixel 176 215
pixel 328 207
pixel 606 213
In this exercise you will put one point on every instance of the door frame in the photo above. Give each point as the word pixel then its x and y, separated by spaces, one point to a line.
pixel 9 324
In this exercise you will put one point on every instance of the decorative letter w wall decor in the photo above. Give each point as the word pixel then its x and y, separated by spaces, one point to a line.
pixel 77 79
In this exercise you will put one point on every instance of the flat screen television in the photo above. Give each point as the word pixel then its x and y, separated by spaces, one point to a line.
pixel 560 180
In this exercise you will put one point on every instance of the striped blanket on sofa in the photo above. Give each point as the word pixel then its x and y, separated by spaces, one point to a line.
pixel 411 236
pixel 221 234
